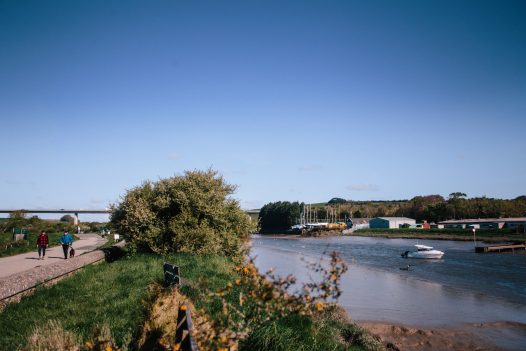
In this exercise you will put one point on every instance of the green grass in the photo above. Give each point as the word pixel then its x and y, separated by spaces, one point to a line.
pixel 300 333
pixel 117 294
pixel 105 293
pixel 490 235
pixel 8 247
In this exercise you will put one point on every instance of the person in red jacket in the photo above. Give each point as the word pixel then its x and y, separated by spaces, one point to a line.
pixel 42 243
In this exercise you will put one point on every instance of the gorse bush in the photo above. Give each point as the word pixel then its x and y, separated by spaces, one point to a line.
pixel 189 213
pixel 255 300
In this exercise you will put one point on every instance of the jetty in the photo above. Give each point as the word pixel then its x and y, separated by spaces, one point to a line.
pixel 500 248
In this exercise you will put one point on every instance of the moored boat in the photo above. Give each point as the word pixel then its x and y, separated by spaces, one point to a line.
pixel 423 251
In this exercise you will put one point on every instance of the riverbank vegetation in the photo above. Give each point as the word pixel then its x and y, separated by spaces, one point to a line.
pixel 194 214
pixel 112 305
pixel 190 221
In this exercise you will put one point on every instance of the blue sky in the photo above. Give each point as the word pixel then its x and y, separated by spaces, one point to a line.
pixel 290 100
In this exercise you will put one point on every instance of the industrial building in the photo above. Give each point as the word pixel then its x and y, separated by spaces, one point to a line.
pixel 510 223
pixel 391 222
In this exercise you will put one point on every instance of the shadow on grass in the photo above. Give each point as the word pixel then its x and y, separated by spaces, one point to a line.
pixel 113 253
pixel 152 341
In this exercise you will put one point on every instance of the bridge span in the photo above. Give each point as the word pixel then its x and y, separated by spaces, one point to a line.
pixel 74 212
pixel 252 213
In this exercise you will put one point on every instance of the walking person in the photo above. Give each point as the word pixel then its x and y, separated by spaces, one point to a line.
pixel 66 240
pixel 42 243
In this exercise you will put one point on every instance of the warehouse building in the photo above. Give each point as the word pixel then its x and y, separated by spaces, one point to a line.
pixel 391 222
pixel 510 223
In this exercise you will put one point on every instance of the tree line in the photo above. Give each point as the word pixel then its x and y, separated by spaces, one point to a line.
pixel 276 216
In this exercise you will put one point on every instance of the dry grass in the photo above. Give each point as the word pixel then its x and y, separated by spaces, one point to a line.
pixel 162 316
pixel 159 328
pixel 52 336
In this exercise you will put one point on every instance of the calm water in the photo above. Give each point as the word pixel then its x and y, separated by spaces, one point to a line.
pixel 462 287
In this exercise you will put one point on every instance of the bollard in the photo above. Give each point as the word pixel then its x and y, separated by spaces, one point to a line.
pixel 171 274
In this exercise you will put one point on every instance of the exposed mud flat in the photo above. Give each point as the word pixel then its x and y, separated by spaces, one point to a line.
pixel 469 337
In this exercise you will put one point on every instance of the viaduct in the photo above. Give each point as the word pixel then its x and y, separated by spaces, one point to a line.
pixel 75 213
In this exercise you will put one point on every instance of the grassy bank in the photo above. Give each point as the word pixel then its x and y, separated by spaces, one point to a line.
pixel 118 295
pixel 9 247
pixel 487 235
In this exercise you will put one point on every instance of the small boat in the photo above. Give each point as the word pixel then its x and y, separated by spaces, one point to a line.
pixel 423 251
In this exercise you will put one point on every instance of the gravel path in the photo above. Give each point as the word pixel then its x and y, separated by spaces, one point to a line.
pixel 47 269
pixel 20 282
pixel 23 262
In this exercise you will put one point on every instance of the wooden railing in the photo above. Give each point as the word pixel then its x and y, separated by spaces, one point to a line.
pixel 184 341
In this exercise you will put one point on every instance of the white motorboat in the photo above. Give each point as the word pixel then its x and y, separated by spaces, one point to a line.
pixel 423 251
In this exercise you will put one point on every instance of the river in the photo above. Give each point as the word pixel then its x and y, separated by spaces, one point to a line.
pixel 461 288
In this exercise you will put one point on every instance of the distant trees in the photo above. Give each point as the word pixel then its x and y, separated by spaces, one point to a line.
pixel 435 208
pixel 336 201
pixel 67 218
pixel 20 214
pixel 35 225
pixel 279 216
pixel 432 208
pixel 418 206
pixel 457 195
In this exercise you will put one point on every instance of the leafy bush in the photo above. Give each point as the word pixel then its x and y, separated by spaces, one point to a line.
pixel 260 299
pixel 188 213
pixel 67 218
pixel 279 216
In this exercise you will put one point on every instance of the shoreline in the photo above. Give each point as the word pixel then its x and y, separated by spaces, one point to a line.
pixel 470 336
pixel 490 334
pixel 450 237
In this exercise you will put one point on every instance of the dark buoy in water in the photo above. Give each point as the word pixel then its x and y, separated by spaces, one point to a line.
pixel 408 268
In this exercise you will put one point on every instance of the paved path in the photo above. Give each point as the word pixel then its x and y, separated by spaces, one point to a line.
pixel 23 262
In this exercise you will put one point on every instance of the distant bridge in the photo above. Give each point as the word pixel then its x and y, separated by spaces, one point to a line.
pixel 252 213
pixel 62 210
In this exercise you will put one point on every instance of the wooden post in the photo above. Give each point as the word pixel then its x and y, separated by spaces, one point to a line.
pixel 183 331
pixel 171 274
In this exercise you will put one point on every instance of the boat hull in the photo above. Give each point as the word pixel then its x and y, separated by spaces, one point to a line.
pixel 429 254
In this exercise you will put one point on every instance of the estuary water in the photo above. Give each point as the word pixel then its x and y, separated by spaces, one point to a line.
pixel 462 288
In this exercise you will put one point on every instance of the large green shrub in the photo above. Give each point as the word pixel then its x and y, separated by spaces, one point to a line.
pixel 189 213
pixel 279 216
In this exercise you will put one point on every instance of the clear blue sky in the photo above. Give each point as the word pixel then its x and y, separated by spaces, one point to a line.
pixel 290 100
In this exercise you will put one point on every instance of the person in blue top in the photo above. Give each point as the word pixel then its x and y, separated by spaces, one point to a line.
pixel 66 240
